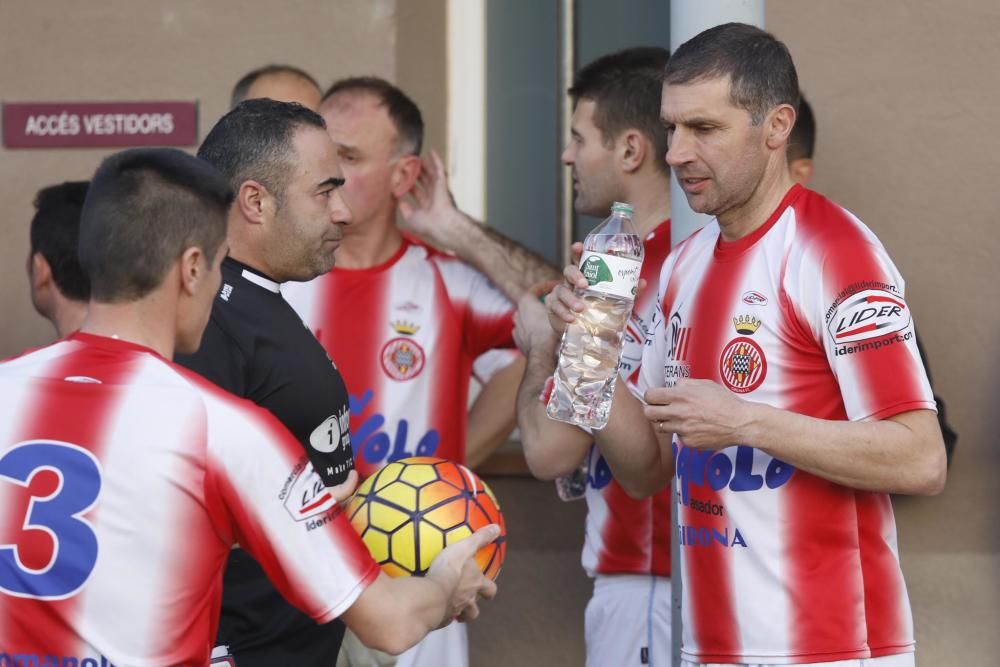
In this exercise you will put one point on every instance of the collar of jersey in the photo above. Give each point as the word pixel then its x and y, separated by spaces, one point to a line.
pixel 254 276
pixel 378 268
pixel 727 250
pixel 111 343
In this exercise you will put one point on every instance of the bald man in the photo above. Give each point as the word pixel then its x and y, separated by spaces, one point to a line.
pixel 283 83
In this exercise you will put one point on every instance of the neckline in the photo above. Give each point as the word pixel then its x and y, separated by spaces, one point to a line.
pixel 254 276
pixel 112 343
pixel 728 250
pixel 378 268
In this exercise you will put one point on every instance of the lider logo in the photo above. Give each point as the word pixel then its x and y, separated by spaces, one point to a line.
pixel 868 314
pixel 596 270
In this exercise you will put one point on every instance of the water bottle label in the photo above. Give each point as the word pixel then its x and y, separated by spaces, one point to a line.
pixel 610 274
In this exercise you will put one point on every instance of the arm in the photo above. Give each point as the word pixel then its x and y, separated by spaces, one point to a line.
pixel 430 212
pixel 640 458
pixel 491 417
pixel 901 454
pixel 392 614
pixel 551 448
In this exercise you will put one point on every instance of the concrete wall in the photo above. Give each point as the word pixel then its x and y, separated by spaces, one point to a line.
pixel 186 50
pixel 905 98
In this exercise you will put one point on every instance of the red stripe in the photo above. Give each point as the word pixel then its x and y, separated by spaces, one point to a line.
pixel 626 536
pixel 323 498
pixel 708 579
pixel 823 516
pixel 75 413
pixel 351 308
pixel 867 327
pixel 452 369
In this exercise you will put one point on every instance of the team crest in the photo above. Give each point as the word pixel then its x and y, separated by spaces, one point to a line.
pixel 742 365
pixel 402 359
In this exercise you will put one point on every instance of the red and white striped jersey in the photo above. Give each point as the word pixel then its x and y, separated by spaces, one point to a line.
pixel 806 314
pixel 404 335
pixel 124 482
pixel 623 535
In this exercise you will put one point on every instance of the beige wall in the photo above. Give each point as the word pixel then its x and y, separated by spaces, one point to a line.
pixel 119 50
pixel 906 97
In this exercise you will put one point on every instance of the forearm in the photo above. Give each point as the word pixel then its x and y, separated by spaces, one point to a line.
pixel 901 454
pixel 510 266
pixel 394 614
pixel 640 459
pixel 491 417
pixel 551 448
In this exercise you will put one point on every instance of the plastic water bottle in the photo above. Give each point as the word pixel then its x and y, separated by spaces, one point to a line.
pixel 592 346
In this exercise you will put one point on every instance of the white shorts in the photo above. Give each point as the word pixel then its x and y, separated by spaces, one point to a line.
pixel 899 660
pixel 628 621
pixel 447 647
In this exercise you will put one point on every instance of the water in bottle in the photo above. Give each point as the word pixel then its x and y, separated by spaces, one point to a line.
pixel 592 346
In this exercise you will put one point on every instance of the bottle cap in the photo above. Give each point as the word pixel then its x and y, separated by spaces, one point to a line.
pixel 621 207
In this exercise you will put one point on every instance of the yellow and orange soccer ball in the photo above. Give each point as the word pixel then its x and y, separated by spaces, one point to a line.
pixel 411 509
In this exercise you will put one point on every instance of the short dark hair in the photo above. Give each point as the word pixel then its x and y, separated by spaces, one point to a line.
pixel 802 141
pixel 760 68
pixel 404 112
pixel 625 87
pixel 242 88
pixel 55 234
pixel 254 141
pixel 145 206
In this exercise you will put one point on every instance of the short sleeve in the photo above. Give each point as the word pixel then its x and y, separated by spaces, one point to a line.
pixel 852 298
pixel 488 315
pixel 278 509
pixel 490 363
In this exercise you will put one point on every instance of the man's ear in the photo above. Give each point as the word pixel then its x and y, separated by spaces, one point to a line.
pixel 802 170
pixel 39 272
pixel 254 201
pixel 194 269
pixel 632 150
pixel 405 174
pixel 779 122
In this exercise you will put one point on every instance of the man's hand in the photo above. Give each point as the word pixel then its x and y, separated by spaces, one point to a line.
pixel 562 303
pixel 429 210
pixel 702 413
pixel 345 489
pixel 455 569
pixel 531 326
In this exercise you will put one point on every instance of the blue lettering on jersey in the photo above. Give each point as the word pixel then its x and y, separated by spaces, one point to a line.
pixel 715 469
pixel 59 514
pixel 598 470
pixel 375 445
pixel 18 659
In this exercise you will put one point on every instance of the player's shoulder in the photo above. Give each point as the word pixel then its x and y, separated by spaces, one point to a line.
pixel 220 405
pixel 823 224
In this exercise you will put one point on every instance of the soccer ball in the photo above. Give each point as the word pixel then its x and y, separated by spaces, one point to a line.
pixel 411 509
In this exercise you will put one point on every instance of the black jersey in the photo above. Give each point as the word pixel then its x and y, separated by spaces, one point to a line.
pixel 255 346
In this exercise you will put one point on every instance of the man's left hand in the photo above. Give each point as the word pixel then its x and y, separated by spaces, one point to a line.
pixel 429 210
pixel 702 413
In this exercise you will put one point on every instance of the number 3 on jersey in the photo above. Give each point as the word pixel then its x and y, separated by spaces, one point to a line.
pixel 59 514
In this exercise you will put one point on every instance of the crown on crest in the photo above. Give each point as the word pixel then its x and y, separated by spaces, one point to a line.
pixel 746 325
pixel 404 327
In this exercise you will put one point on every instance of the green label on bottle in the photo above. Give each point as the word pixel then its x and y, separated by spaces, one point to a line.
pixel 596 270
pixel 610 274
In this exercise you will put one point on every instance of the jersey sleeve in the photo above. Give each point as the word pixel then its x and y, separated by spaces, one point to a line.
pixel 488 316
pixel 851 297
pixel 490 363
pixel 219 359
pixel 276 507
